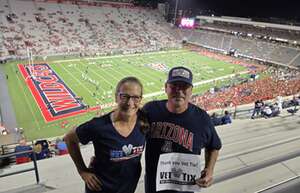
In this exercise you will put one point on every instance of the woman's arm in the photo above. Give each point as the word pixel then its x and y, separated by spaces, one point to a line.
pixel 88 177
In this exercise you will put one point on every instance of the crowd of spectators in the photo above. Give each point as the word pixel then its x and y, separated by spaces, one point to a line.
pixel 264 88
pixel 274 109
pixel 262 109
pixel 26 151
pixel 50 28
pixel 246 93
pixel 221 120
pixel 275 81
pixel 283 73
pixel 266 110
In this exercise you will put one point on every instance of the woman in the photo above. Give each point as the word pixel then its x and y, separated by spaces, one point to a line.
pixel 118 139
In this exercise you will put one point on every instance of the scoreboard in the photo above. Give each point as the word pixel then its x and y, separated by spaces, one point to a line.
pixel 187 22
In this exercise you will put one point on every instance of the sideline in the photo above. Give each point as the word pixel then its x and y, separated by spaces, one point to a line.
pixel 8 116
pixel 120 56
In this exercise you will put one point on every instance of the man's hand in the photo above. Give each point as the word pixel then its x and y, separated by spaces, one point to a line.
pixel 206 178
pixel 91 180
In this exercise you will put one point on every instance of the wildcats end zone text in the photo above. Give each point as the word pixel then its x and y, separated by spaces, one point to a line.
pixel 54 98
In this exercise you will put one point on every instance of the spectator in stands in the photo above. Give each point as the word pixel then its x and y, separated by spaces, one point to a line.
pixel 279 102
pixel 3 131
pixel 61 147
pixel 42 149
pixel 258 105
pixel 226 119
pixel 293 110
pixel 275 110
pixel 4 162
pixel 118 139
pixel 295 101
pixel 266 111
pixel 24 157
pixel 216 120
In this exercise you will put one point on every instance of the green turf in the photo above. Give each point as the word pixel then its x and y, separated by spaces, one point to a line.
pixel 113 69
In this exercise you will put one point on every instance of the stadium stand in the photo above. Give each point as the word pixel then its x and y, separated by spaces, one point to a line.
pixel 250 29
pixel 281 81
pixel 49 28
pixel 2 48
pixel 250 48
pixel 296 61
pixel 283 54
pixel 244 94
pixel 61 29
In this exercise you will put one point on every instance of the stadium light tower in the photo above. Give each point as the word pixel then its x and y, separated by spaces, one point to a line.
pixel 175 14
pixel 29 55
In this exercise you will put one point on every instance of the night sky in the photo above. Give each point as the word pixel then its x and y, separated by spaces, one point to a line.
pixel 287 9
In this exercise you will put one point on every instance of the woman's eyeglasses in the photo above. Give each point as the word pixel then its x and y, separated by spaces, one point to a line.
pixel 126 97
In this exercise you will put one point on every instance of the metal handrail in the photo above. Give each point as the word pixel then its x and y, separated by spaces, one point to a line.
pixel 34 168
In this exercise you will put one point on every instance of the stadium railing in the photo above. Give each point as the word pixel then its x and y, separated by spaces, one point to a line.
pixel 1 121
pixel 34 168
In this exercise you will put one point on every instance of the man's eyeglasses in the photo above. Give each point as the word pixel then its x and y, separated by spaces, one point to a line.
pixel 126 97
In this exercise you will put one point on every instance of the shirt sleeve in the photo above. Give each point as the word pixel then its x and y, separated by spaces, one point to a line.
pixel 145 109
pixel 85 132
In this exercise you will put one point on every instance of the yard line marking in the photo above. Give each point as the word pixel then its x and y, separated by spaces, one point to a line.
pixel 98 76
pixel 77 80
pixel 144 74
pixel 119 56
pixel 28 104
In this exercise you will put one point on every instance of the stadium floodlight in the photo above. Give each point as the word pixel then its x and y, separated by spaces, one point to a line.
pixel 175 14
pixel 29 55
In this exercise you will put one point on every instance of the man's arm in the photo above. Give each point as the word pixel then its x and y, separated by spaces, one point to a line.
pixel 211 156
pixel 89 178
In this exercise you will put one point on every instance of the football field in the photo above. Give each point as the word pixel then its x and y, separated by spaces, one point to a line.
pixel 90 84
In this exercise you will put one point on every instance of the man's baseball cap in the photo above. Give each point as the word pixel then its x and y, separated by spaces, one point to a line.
pixel 180 74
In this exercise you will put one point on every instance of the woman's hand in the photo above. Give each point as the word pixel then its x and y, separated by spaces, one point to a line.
pixel 91 180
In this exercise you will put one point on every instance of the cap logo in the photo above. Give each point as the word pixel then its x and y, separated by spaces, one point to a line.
pixel 181 72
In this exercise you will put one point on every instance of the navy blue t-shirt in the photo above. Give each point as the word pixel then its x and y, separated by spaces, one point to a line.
pixel 187 132
pixel 117 162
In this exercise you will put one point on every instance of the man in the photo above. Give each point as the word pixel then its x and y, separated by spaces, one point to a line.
pixel 258 105
pixel 178 126
pixel 24 157
pixel 226 119
pixel 215 119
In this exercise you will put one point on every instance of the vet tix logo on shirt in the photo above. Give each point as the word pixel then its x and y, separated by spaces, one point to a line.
pixel 127 152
